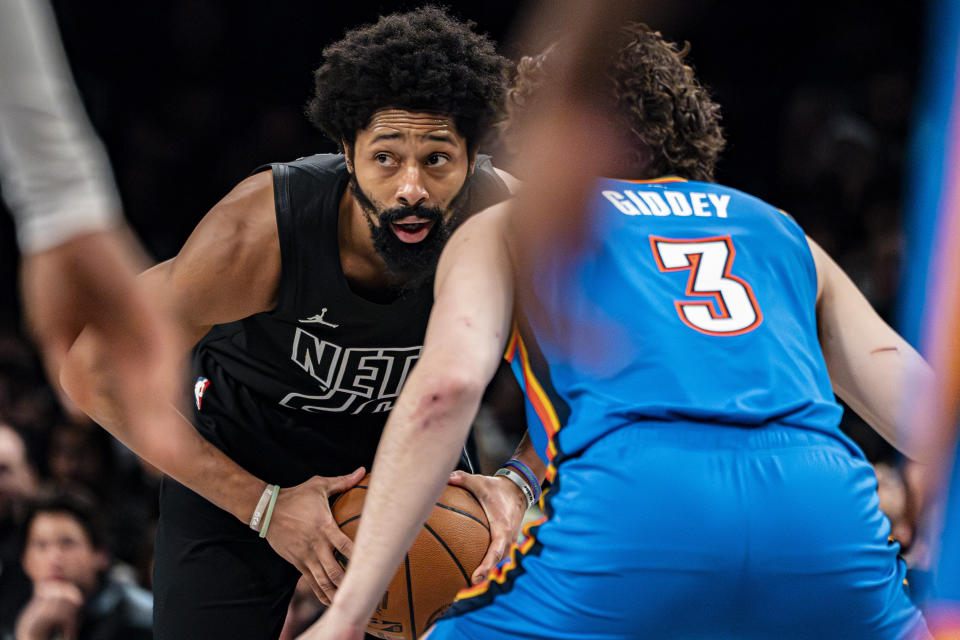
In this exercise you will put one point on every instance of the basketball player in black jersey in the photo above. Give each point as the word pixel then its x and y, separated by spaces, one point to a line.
pixel 305 294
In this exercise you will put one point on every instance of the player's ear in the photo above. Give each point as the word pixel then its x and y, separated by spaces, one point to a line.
pixel 473 163
pixel 347 154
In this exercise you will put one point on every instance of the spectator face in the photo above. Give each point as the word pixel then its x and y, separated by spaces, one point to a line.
pixel 59 549
pixel 17 482
pixel 74 457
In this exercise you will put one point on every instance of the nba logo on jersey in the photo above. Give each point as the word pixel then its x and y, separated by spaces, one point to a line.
pixel 199 388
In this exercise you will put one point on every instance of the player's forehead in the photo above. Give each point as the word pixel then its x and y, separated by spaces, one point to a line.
pixel 410 126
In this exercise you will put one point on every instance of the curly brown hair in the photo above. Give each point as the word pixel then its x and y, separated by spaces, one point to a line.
pixel 657 97
pixel 527 79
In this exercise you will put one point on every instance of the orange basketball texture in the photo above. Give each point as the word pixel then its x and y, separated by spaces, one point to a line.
pixel 445 554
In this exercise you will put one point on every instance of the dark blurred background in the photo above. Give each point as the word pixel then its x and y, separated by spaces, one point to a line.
pixel 191 95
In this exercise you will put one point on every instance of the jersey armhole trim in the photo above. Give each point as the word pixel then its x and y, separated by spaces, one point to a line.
pixel 288 287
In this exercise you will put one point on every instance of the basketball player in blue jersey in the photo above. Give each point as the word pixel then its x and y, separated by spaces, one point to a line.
pixel 304 295
pixel 682 370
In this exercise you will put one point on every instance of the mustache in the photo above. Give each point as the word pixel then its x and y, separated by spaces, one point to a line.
pixel 430 214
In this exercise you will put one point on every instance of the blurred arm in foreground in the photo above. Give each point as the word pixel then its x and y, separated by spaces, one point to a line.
pixel 79 261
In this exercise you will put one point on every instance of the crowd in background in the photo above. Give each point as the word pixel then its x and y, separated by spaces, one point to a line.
pixel 191 96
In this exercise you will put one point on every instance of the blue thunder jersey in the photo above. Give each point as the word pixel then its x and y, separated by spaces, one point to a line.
pixel 701 486
pixel 691 302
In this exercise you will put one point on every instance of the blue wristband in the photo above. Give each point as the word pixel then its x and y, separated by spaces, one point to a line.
pixel 527 474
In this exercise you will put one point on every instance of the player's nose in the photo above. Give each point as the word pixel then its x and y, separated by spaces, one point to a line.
pixel 411 190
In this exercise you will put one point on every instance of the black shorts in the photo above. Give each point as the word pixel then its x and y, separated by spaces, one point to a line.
pixel 214 578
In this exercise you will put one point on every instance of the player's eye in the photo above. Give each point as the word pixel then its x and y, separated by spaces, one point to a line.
pixel 437 160
pixel 383 159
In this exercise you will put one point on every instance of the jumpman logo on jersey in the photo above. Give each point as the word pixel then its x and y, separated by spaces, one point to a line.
pixel 318 319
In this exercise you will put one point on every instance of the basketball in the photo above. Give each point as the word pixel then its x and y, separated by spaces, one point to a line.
pixel 448 549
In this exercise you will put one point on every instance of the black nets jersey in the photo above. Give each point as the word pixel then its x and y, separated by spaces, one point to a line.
pixel 305 389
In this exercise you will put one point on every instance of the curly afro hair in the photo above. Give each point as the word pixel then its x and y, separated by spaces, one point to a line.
pixel 657 97
pixel 422 60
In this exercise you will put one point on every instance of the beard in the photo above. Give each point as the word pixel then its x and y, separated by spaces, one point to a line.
pixel 410 265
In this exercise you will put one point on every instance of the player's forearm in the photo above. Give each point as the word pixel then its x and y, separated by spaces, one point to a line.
pixel 876 372
pixel 872 368
pixel 888 388
pixel 422 439
pixel 419 448
pixel 194 462
pixel 155 430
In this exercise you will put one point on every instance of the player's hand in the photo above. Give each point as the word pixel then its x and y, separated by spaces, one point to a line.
pixel 302 530
pixel 332 625
pixel 54 607
pixel 504 505
pixel 924 503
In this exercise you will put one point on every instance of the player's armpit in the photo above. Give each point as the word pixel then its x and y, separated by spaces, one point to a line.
pixel 872 368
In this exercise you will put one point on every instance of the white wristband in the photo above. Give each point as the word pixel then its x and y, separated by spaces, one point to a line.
pixel 518 480
pixel 261 507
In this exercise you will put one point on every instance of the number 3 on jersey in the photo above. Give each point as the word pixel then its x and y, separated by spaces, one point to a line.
pixel 730 308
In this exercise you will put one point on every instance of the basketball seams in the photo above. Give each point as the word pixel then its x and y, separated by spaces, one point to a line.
pixel 449 551
pixel 465 514
pixel 348 520
pixel 413 620
pixel 451 533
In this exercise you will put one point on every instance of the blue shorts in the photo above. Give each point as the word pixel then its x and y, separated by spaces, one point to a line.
pixel 676 530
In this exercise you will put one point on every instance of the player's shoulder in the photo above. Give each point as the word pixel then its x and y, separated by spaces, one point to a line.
pixel 743 200
pixel 488 227
pixel 480 239
pixel 491 220
pixel 676 183
pixel 320 166
pixel 484 164
pixel 747 199
pixel 488 185
pixel 247 211
pixel 321 163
